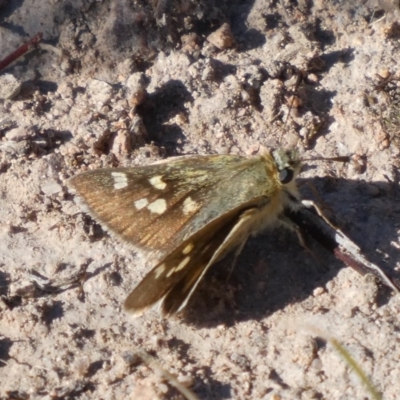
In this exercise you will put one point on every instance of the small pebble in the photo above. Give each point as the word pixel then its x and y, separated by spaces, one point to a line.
pixel 10 86
pixel 101 92
pixel 51 187
pixel 222 37
pixel 136 84
pixel 318 291
pixel 313 78
pixel 384 73
pixel 186 380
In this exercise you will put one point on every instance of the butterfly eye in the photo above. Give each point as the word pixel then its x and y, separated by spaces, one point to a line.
pixel 286 175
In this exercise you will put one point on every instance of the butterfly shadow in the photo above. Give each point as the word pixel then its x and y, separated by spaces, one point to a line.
pixel 159 108
pixel 274 270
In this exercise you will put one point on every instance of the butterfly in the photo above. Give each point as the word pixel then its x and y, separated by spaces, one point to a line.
pixel 188 213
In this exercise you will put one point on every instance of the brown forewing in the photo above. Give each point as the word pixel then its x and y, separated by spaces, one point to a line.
pixel 216 184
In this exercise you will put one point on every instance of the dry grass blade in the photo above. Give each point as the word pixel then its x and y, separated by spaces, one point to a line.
pixel 152 363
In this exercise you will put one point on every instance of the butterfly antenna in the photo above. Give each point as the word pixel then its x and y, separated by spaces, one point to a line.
pixel 343 159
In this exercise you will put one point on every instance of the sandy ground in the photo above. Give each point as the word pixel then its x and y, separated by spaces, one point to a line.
pixel 127 83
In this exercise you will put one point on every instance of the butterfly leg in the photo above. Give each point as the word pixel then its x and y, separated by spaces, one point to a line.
pixel 235 257
pixel 315 206
pixel 288 223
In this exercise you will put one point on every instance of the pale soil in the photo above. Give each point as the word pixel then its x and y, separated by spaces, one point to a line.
pixel 257 333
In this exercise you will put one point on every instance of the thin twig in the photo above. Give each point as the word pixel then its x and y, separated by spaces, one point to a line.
pixel 348 359
pixel 21 50
pixel 345 354
pixel 335 241
pixel 152 363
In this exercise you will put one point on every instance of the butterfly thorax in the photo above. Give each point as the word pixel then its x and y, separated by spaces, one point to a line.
pixel 282 167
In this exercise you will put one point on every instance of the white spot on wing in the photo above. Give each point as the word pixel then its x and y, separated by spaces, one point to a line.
pixel 120 180
pixel 189 205
pixel 157 182
pixel 182 264
pixel 188 248
pixel 158 206
pixel 159 270
pixel 170 272
pixel 139 204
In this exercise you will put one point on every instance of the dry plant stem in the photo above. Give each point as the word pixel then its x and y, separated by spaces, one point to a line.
pixel 21 50
pixel 334 240
pixel 49 47
pixel 356 368
pixel 348 359
pixel 297 84
pixel 58 285
pixel 351 255
pixel 151 362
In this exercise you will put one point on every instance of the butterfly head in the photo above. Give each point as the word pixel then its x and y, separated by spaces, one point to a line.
pixel 288 163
